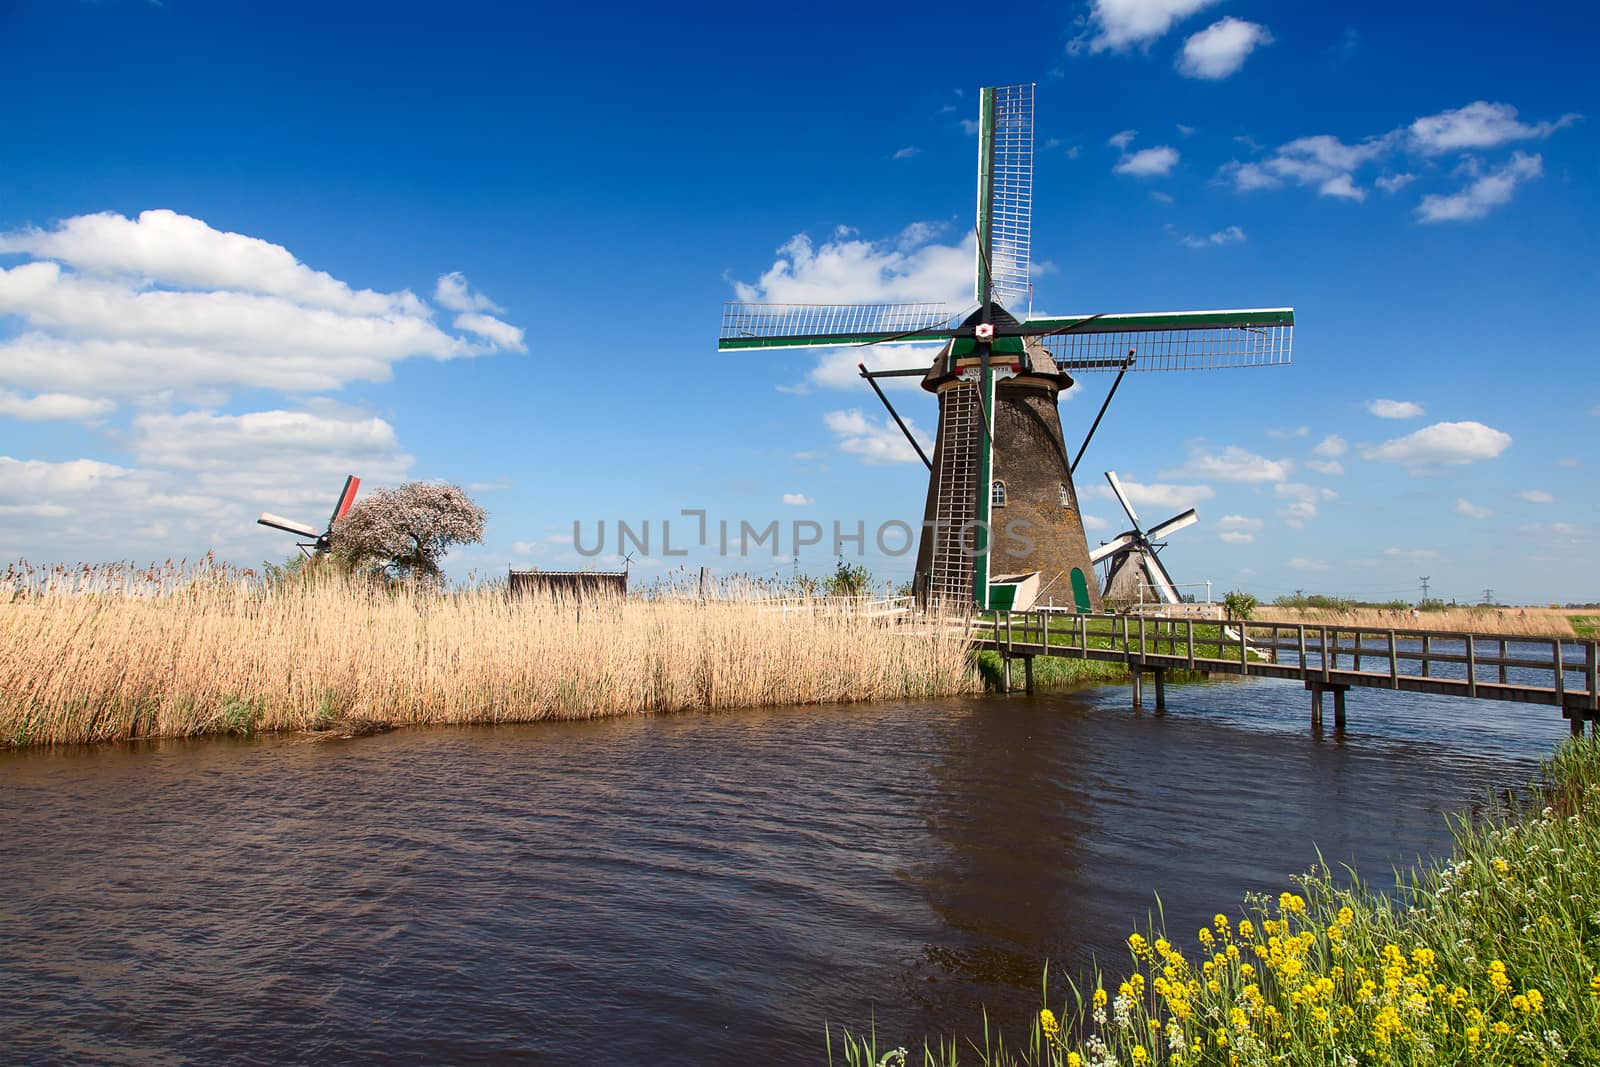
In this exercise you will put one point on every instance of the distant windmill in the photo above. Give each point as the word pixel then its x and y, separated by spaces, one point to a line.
pixel 1000 458
pixel 317 542
pixel 1134 563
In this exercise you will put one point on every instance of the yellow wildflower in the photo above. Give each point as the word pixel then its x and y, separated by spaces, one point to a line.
pixel 1047 1021
pixel 1346 916
pixel 1473 1036
pixel 1074 1060
pixel 1139 1054
pixel 1099 997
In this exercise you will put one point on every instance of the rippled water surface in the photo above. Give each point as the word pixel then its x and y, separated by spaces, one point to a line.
pixel 698 889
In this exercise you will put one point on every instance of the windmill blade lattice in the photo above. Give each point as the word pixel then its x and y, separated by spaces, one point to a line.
pixel 751 325
pixel 1011 197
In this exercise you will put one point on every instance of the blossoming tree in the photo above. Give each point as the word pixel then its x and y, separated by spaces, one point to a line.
pixel 404 533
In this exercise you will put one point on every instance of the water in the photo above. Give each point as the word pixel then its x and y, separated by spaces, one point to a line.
pixel 700 889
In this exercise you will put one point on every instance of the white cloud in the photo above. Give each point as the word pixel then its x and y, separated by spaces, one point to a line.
pixel 500 333
pixel 1394 409
pixel 798 500
pixel 166 299
pixel 1121 141
pixel 839 368
pixel 1411 553
pixel 1303 501
pixel 452 291
pixel 1236 537
pixel 45 406
pixel 1471 510
pixel 1443 443
pixel 1232 464
pixel 1333 446
pixel 1148 162
pixel 1325 466
pixel 1095 522
pixel 1478 125
pixel 1121 24
pixel 1278 434
pixel 1239 522
pixel 848 270
pixel 1486 193
pixel 873 442
pixel 1343 187
pixel 1322 161
pixel 1300 563
pixel 907 152
pixel 1155 495
pixel 1221 237
pixel 1536 496
pixel 1393 183
pixel 1220 49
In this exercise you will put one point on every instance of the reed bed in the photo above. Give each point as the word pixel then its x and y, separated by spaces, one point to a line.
pixel 1532 622
pixel 106 653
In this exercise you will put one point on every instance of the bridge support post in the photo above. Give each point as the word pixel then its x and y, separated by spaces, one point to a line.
pixel 1317 688
pixel 1161 689
pixel 1005 673
pixel 1027 674
pixel 1138 686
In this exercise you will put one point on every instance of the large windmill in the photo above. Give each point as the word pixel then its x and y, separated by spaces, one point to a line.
pixel 1134 566
pixel 999 456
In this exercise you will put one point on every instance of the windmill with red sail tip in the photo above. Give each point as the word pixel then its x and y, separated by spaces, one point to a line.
pixel 316 542
pixel 1000 477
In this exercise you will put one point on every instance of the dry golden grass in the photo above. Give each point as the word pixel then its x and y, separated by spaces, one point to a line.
pixel 1531 622
pixel 98 655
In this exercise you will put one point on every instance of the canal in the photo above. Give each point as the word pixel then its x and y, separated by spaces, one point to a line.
pixel 697 889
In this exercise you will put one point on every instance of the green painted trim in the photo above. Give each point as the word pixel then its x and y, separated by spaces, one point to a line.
pixel 985 191
pixel 830 340
pixel 1171 320
pixel 985 509
pixel 1001 346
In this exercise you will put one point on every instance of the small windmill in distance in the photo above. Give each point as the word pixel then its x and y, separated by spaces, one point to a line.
pixel 1134 563
pixel 318 543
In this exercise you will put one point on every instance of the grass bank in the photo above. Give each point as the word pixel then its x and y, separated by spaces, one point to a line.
pixel 1049 672
pixel 1491 956
pixel 106 654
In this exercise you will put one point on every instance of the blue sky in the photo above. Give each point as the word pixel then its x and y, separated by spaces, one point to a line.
pixel 245 252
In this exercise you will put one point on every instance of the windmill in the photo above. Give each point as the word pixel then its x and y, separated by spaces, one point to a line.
pixel 317 542
pixel 999 457
pixel 1134 563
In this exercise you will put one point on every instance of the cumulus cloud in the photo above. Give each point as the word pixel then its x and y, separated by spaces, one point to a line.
pixel 1536 496
pixel 1148 162
pixel 1221 237
pixel 110 305
pixel 907 152
pixel 1220 49
pixel 1322 161
pixel 1240 522
pixel 1478 125
pixel 1483 194
pixel 873 442
pixel 1236 537
pixel 910 267
pixel 1232 464
pixel 798 500
pixel 1471 510
pixel 1394 409
pixel 1121 141
pixel 1325 466
pixel 1333 446
pixel 1303 501
pixel 1118 25
pixel 1442 444
pixel 46 406
pixel 1156 495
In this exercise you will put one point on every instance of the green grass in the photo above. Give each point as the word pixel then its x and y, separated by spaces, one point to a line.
pixel 1489 956
pixel 1585 626
pixel 1049 672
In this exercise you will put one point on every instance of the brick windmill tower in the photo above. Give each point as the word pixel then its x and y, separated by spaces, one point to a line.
pixel 1001 521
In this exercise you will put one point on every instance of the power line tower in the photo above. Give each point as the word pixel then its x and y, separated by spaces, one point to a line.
pixel 1488 596
pixel 1424 588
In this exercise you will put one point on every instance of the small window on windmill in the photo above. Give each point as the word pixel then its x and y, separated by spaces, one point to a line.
pixel 1066 497
pixel 997 493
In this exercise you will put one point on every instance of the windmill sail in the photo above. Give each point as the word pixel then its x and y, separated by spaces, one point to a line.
pixel 756 326
pixel 1010 196
pixel 1170 340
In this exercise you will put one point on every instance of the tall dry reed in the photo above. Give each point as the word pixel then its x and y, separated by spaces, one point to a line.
pixel 1531 622
pixel 103 654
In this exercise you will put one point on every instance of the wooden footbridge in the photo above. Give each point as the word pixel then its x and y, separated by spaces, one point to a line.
pixel 1558 672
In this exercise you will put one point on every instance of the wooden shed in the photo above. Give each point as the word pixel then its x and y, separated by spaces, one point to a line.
pixel 573 585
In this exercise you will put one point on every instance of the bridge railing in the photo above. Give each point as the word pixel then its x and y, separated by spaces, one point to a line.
pixel 1560 670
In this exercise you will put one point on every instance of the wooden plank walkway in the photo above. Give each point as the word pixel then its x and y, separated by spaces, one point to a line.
pixel 1559 672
